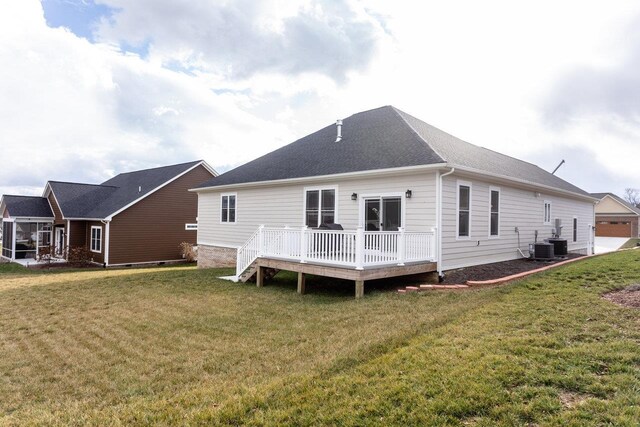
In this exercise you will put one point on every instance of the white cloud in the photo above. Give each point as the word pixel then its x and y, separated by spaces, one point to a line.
pixel 72 110
pixel 241 38
pixel 229 81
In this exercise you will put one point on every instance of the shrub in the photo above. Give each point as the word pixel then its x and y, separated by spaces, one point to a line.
pixel 188 251
pixel 79 255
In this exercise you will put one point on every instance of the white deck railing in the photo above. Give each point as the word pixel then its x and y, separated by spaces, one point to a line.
pixel 344 248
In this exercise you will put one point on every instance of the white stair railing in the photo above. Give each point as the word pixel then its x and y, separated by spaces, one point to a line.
pixel 248 252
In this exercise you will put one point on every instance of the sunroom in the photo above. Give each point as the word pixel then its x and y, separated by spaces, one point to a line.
pixel 27 224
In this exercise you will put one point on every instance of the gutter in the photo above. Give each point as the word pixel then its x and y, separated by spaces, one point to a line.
pixel 330 177
pixel 525 182
pixel 439 217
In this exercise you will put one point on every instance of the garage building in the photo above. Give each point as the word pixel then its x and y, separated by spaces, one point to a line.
pixel 615 217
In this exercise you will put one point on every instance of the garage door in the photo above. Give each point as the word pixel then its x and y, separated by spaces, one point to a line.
pixel 613 229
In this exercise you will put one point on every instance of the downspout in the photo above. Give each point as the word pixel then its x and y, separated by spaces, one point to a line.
pixel 106 241
pixel 439 217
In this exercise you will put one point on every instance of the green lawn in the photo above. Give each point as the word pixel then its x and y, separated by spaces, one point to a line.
pixel 631 243
pixel 175 345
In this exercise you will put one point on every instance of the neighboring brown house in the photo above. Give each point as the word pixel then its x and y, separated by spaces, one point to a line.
pixel 133 218
pixel 615 217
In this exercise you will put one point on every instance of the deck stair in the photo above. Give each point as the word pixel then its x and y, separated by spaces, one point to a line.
pixel 422 288
pixel 249 275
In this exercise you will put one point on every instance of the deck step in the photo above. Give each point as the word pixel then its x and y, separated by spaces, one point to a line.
pixel 250 273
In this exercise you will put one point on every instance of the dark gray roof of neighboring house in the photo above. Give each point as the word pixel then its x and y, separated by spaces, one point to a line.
pixel 27 206
pixel 380 139
pixel 618 199
pixel 78 200
pixel 99 201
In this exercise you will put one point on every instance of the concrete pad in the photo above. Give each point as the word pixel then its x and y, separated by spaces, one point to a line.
pixel 608 244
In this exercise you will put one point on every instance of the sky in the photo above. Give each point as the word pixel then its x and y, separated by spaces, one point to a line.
pixel 92 88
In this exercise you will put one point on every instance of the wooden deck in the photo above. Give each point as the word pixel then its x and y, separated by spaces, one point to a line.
pixel 358 276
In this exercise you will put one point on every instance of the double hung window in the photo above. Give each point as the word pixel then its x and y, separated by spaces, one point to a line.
pixel 320 207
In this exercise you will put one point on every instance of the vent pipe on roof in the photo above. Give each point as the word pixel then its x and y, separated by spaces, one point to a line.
pixel 139 189
pixel 557 167
pixel 339 126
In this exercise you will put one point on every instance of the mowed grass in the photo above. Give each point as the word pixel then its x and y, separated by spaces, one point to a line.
pixel 631 243
pixel 175 345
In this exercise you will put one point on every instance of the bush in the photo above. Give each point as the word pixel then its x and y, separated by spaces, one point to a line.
pixel 79 256
pixel 188 251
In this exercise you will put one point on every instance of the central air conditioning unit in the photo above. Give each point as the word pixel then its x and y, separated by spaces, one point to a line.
pixel 560 246
pixel 541 251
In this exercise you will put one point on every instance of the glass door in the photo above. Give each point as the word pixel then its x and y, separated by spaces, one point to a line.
pixel 372 215
pixel 59 241
pixel 382 213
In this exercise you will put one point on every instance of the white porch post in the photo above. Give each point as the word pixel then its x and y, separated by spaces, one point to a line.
pixel 65 251
pixel 401 246
pixel 304 236
pixel 13 247
pixel 360 248
pixel 260 240
pixel 106 243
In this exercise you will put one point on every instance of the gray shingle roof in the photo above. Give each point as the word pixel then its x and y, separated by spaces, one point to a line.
pixel 380 139
pixel 376 139
pixel 618 199
pixel 99 201
pixel 27 206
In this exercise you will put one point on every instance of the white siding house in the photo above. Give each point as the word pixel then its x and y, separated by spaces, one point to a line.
pixel 405 193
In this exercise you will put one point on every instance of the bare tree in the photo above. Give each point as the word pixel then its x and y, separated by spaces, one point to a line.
pixel 632 195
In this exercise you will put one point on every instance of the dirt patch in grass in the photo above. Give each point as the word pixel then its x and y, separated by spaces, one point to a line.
pixel 498 270
pixel 571 399
pixel 628 297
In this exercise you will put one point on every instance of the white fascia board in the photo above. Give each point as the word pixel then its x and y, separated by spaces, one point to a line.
pixel 324 178
pixel 110 217
pixel 45 195
pixel 46 188
pixel 85 219
pixel 33 219
pixel 210 169
pixel 529 184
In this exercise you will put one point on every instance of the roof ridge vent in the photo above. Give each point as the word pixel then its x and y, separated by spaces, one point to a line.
pixel 339 128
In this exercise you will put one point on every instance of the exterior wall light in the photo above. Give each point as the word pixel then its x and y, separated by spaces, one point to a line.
pixel 354 196
pixel 408 194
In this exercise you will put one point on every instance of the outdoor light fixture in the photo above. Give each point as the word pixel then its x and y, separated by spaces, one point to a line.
pixel 354 196
pixel 408 194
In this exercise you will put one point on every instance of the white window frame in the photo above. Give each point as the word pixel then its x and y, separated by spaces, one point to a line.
pixel 304 203
pixel 546 221
pixel 459 184
pixel 575 227
pixel 194 226
pixel 235 220
pixel 98 240
pixel 491 190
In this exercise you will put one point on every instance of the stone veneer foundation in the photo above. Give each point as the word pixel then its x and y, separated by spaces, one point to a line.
pixel 216 257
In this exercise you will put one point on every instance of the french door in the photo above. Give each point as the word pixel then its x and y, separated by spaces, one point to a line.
pixel 59 237
pixel 382 213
